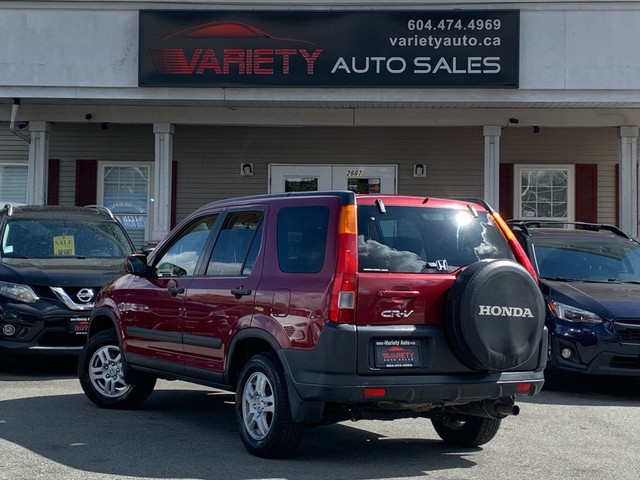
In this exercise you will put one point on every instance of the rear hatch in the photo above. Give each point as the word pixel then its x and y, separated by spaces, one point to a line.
pixel 410 251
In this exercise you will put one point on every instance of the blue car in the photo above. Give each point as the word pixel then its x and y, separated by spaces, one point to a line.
pixel 590 277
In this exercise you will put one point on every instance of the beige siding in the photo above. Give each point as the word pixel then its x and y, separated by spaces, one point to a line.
pixel 520 145
pixel 12 147
pixel 209 158
pixel 118 143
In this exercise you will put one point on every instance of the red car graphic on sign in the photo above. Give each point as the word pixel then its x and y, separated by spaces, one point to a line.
pixel 225 48
pixel 228 30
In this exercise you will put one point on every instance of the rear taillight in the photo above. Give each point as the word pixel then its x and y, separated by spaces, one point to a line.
pixel 521 255
pixel 343 292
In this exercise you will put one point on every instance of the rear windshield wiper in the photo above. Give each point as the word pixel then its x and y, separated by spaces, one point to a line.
pixel 561 279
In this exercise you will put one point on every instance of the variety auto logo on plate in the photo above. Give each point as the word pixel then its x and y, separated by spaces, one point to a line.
pixel 231 48
pixel 397 353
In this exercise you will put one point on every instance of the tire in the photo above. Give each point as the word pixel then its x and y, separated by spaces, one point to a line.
pixel 263 411
pixel 494 316
pixel 100 371
pixel 466 431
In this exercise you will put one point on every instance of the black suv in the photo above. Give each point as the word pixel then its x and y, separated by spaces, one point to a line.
pixel 590 277
pixel 53 262
pixel 321 307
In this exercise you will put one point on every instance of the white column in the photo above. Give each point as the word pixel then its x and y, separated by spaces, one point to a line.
pixel 492 164
pixel 628 160
pixel 38 163
pixel 161 200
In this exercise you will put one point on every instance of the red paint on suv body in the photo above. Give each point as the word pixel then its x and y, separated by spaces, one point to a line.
pixel 306 303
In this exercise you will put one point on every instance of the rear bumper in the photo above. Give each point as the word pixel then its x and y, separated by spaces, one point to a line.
pixel 341 367
pixel 423 389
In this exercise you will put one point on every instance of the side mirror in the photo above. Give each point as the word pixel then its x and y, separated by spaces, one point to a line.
pixel 136 265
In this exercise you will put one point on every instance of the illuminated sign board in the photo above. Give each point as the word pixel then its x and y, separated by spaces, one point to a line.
pixel 470 49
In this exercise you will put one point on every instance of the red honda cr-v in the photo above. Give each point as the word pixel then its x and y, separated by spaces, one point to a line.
pixel 320 307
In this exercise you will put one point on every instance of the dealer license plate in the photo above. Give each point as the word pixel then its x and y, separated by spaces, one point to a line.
pixel 399 353
pixel 79 325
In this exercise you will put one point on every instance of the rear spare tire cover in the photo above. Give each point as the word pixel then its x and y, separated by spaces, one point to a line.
pixel 494 316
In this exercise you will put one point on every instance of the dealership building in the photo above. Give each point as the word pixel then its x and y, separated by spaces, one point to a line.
pixel 156 108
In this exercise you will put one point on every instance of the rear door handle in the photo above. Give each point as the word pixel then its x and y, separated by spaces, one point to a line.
pixel 241 291
pixel 398 293
pixel 175 290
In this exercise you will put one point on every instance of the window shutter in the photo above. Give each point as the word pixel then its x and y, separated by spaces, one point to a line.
pixel 53 182
pixel 506 191
pixel 86 182
pixel 587 192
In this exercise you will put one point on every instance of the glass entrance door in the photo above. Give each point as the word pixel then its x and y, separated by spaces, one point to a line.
pixel 299 178
pixel 363 179
pixel 366 179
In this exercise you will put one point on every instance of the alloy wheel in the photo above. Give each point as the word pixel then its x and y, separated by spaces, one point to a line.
pixel 105 372
pixel 258 406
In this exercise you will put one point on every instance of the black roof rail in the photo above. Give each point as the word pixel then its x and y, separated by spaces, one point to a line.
pixel 347 197
pixel 103 209
pixel 525 225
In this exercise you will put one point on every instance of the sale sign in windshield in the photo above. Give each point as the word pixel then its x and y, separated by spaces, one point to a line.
pixel 350 49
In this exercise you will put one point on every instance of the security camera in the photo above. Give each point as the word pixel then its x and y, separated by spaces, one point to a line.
pixel 88 116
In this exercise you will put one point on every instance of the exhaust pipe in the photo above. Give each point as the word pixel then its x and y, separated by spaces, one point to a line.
pixel 506 410
pixel 487 409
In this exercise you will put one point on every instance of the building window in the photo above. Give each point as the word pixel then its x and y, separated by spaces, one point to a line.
pixel 125 191
pixel 545 193
pixel 13 183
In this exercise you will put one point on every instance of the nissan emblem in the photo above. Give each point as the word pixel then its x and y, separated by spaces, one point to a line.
pixel 85 295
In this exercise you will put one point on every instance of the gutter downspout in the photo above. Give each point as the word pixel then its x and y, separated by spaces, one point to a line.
pixel 12 125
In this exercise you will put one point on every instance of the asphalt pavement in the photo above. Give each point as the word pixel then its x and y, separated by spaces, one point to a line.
pixel 575 428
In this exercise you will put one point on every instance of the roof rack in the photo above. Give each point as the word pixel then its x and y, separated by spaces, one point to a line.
pixel 9 208
pixel 525 225
pixel 103 209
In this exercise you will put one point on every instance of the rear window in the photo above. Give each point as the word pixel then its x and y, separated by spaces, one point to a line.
pixel 423 239
pixel 302 237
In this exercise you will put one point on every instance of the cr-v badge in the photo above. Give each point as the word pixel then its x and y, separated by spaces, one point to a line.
pixel 395 314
